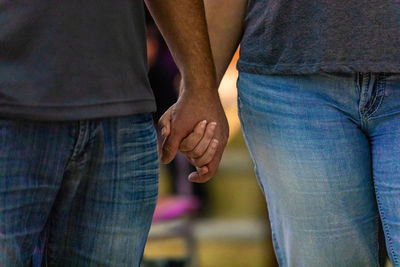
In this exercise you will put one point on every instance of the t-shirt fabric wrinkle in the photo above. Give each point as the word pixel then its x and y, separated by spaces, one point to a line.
pixel 304 37
pixel 70 60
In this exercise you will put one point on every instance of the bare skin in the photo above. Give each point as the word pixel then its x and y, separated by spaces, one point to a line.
pixel 199 146
pixel 225 27
pixel 183 25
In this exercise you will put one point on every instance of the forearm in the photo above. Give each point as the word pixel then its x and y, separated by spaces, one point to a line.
pixel 225 27
pixel 184 28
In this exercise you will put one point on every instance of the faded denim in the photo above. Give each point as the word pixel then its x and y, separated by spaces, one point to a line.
pixel 326 149
pixel 76 193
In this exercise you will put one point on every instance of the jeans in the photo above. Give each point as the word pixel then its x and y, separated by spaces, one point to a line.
pixel 76 193
pixel 326 150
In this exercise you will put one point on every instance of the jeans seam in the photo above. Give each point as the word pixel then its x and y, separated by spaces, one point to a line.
pixel 361 110
pixel 381 88
pixel 364 109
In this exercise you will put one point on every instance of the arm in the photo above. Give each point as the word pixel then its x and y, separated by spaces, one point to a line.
pixel 183 25
pixel 225 26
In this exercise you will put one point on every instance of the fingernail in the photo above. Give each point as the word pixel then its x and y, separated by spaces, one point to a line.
pixel 203 124
pixel 214 143
pixel 213 125
pixel 163 131
pixel 193 176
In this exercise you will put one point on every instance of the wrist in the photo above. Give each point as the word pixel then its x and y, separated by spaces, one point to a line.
pixel 198 90
pixel 199 83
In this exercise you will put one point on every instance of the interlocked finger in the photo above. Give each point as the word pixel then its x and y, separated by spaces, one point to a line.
pixel 207 156
pixel 204 143
pixel 191 141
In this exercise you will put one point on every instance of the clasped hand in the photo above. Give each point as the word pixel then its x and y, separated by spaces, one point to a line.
pixel 198 128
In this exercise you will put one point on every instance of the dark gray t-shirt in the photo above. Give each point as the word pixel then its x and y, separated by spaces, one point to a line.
pixel 73 59
pixel 304 36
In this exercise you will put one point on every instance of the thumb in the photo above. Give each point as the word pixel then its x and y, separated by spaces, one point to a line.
pixel 169 148
pixel 165 124
pixel 171 142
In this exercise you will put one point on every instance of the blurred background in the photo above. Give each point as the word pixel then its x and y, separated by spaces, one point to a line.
pixel 221 223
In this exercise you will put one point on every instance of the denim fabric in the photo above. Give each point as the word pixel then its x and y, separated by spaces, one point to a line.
pixel 326 149
pixel 76 193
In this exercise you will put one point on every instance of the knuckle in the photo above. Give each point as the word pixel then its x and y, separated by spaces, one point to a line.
pixel 189 147
pixel 201 162
pixel 210 154
pixel 196 136
pixel 161 123
pixel 184 146
pixel 197 131
pixel 190 155
pixel 209 157
pixel 197 153
pixel 206 141
pixel 209 133
pixel 206 160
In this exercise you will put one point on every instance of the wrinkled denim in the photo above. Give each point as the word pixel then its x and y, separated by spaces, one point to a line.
pixel 76 193
pixel 326 150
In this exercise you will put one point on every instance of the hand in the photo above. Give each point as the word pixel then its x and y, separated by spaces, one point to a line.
pixel 180 121
pixel 199 146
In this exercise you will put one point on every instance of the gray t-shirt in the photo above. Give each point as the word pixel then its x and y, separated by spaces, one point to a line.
pixel 304 36
pixel 73 59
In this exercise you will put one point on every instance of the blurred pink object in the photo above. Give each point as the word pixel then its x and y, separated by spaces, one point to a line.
pixel 171 207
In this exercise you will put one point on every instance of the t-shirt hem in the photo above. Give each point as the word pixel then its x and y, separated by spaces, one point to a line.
pixel 63 113
pixel 294 69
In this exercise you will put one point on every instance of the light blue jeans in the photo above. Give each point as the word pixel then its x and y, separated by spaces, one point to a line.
pixel 326 149
pixel 76 193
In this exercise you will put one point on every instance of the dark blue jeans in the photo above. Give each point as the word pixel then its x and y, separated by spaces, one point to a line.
pixel 326 149
pixel 78 193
